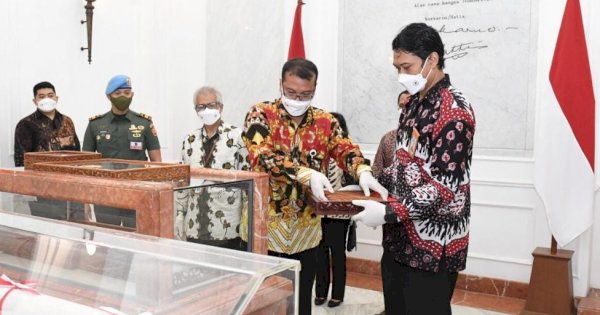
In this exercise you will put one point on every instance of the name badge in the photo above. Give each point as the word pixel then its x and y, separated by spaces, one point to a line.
pixel 134 145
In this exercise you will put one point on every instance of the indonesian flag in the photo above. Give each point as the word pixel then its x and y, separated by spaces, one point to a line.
pixel 297 40
pixel 564 153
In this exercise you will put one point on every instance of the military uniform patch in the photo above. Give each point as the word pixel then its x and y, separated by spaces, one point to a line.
pixel 95 117
pixel 145 116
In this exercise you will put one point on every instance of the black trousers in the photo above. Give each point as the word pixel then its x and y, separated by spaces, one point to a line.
pixel 410 291
pixel 308 262
pixel 334 241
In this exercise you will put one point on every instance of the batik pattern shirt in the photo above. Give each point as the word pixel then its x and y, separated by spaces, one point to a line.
pixel 429 181
pixel 37 132
pixel 338 179
pixel 213 213
pixel 385 152
pixel 283 150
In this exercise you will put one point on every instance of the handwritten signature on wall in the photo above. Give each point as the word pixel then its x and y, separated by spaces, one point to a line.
pixel 462 49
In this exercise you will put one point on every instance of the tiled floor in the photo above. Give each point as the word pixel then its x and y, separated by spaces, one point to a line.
pixel 488 302
pixel 363 296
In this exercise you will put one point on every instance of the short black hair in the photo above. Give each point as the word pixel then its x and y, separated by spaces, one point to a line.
pixel 43 85
pixel 420 39
pixel 400 95
pixel 342 121
pixel 300 67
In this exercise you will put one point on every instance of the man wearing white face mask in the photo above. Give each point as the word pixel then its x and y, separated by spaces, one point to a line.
pixel 293 142
pixel 426 220
pixel 46 129
pixel 217 145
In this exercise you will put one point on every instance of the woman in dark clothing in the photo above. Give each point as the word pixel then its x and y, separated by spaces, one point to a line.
pixel 335 229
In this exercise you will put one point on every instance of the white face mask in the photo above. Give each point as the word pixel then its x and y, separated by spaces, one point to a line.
pixel 295 107
pixel 209 116
pixel 46 105
pixel 414 83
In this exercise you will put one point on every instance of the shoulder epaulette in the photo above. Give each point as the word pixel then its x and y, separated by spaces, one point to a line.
pixel 96 117
pixel 145 116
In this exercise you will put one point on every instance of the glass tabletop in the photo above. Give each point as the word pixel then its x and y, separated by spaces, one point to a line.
pixel 100 268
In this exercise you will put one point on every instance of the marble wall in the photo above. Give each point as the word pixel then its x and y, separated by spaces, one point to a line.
pixel 245 50
pixel 489 48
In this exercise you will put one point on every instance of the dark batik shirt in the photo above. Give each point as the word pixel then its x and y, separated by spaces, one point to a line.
pixel 429 181
pixel 385 152
pixel 37 132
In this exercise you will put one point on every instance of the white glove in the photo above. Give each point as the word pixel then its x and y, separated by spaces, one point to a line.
pixel 367 181
pixel 373 215
pixel 318 184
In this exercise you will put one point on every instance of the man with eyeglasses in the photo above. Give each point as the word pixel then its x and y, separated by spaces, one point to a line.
pixel 121 133
pixel 293 141
pixel 212 216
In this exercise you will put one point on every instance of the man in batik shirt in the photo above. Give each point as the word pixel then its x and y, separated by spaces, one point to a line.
pixel 426 231
pixel 293 142
pixel 46 129
pixel 212 215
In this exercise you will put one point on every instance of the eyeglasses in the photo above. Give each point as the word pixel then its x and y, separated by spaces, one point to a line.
pixel 304 96
pixel 201 107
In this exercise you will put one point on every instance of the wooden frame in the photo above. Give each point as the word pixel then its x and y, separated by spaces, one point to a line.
pixel 134 170
pixel 58 156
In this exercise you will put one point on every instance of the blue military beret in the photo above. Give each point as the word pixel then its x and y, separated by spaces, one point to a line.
pixel 118 82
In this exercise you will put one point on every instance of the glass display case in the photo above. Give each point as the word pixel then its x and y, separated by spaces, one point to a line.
pixel 68 268
pixel 215 212
pixel 211 212
pixel 153 205
pixel 177 174
pixel 58 156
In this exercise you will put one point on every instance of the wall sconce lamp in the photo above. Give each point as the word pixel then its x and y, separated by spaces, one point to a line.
pixel 89 18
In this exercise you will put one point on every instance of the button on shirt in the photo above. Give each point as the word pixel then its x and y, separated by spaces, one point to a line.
pixel 37 132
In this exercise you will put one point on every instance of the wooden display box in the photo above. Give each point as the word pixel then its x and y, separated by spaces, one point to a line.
pixel 121 169
pixel 340 202
pixel 58 156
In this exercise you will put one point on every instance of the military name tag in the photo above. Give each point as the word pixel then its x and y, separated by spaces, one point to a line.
pixel 135 145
